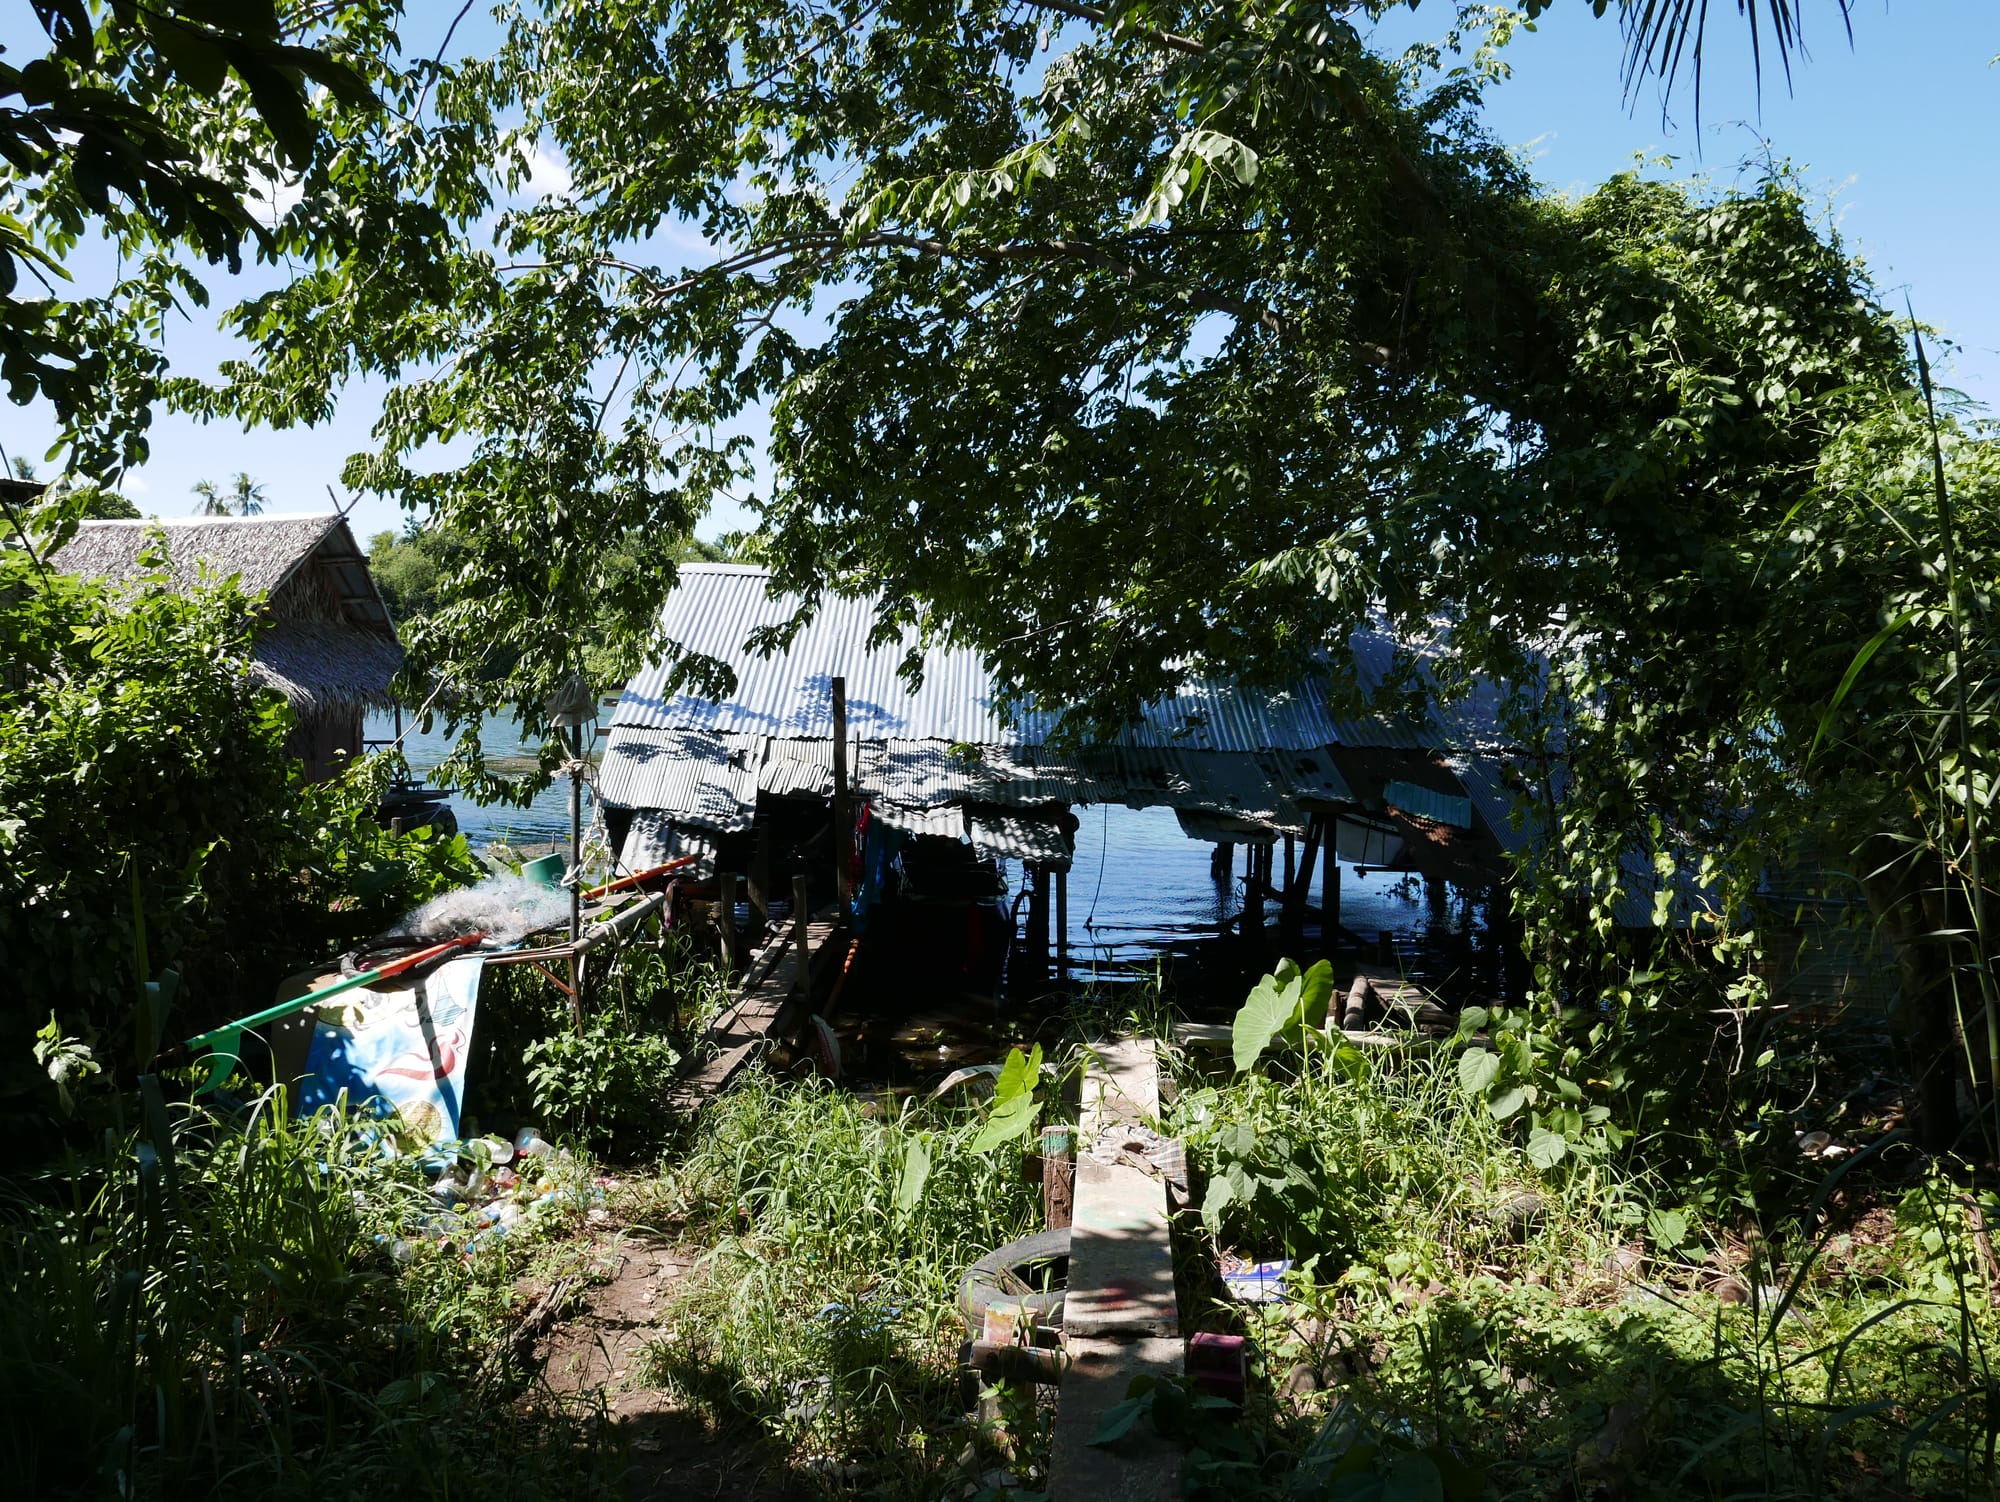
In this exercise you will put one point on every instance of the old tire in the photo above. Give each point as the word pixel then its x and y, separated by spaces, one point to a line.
pixel 1040 1262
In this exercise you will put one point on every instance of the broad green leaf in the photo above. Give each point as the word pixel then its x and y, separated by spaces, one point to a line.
pixel 1476 1070
pixel 1413 1478
pixel 1668 1228
pixel 1015 1109
pixel 1316 993
pixel 1546 1148
pixel 1508 1101
pixel 1270 1005
pixel 916 1173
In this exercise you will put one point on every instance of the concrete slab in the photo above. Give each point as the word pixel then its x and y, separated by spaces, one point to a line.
pixel 1120 1318
pixel 1122 1084
pixel 1121 1265
pixel 1141 1465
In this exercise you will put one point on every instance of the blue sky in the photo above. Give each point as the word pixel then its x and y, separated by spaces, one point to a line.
pixel 1898 136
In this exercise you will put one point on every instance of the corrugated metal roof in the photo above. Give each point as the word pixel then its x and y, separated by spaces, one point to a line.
pixel 1308 778
pixel 1484 778
pixel 706 780
pixel 1427 803
pixel 797 769
pixel 654 840
pixel 1223 829
pixel 1036 842
pixel 715 608
pixel 947 823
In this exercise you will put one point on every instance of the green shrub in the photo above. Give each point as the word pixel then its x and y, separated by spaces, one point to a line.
pixel 220 1311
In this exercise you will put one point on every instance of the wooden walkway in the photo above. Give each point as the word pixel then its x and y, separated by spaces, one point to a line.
pixel 1120 1317
pixel 769 1003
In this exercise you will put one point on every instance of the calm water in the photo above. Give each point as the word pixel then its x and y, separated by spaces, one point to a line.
pixel 541 822
pixel 1139 886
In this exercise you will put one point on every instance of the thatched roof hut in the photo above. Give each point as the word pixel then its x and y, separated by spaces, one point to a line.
pixel 330 647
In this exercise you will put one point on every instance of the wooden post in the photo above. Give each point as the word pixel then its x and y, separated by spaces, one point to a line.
pixel 1058 1175
pixel 1038 923
pixel 575 875
pixel 1329 898
pixel 801 908
pixel 843 818
pixel 759 891
pixel 1062 928
pixel 1253 896
pixel 1298 886
pixel 725 919
pixel 1291 865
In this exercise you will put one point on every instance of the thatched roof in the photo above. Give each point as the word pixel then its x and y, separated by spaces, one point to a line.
pixel 331 644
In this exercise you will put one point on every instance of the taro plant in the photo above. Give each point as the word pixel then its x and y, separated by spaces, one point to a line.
pixel 1015 1106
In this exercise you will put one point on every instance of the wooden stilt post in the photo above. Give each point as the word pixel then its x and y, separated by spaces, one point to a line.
pixel 759 892
pixel 1062 928
pixel 575 875
pixel 1291 866
pixel 1329 898
pixel 1038 922
pixel 843 817
pixel 725 919
pixel 801 914
pixel 1253 897
pixel 1298 887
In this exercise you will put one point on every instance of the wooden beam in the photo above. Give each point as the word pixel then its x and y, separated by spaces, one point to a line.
pixel 801 911
pixel 725 919
pixel 1062 928
pixel 843 816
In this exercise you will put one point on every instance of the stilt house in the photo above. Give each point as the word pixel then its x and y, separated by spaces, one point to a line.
pixel 745 783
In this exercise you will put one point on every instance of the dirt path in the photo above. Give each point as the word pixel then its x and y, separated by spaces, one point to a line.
pixel 597 1352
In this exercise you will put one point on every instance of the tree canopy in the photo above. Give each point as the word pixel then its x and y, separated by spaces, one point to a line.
pixel 1139 341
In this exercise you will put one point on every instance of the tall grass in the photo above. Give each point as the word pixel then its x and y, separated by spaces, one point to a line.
pixel 219 1309
pixel 820 1314
pixel 1563 1331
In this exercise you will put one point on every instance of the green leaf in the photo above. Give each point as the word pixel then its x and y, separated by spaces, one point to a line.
pixel 1476 1070
pixel 1413 1478
pixel 1263 1016
pixel 1869 648
pixel 1015 1108
pixel 916 1173
pixel 1508 1101
pixel 1546 1148
pixel 1315 995
pixel 1668 1228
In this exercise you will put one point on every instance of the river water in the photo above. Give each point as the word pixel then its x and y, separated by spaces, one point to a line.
pixel 1139 887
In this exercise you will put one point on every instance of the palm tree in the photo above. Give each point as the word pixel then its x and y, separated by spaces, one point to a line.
pixel 245 497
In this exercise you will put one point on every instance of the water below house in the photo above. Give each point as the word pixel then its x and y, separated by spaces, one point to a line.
pixel 1139 891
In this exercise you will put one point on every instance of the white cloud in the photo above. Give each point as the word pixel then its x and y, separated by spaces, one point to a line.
pixel 548 173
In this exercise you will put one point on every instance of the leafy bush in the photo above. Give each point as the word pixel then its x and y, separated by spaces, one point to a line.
pixel 601 1081
pixel 148 800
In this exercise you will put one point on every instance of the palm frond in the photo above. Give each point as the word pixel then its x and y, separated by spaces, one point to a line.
pixel 1664 36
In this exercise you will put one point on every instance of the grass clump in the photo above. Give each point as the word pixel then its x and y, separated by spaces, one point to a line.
pixel 231 1309
pixel 821 1311
pixel 1492 1327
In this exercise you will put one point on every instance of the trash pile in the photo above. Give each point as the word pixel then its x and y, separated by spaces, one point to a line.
pixel 489 1188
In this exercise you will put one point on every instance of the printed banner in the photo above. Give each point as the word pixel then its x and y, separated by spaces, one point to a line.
pixel 400 1050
